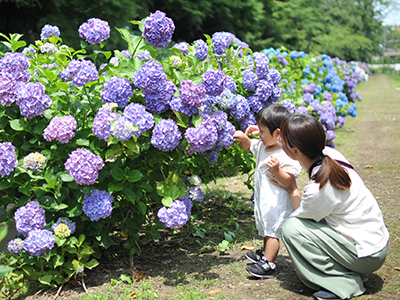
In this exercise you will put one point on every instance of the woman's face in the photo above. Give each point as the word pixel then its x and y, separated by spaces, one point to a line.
pixel 285 147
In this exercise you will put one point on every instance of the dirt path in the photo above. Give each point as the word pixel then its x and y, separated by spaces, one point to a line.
pixel 371 141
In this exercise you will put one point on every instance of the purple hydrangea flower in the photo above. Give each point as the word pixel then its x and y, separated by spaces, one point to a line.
pixel 289 105
pixel 150 76
pixel 276 94
pixel 249 79
pixel 17 65
pixel 254 104
pixel 158 29
pixel 29 51
pixel 225 136
pixel 175 215
pixel 327 96
pixel 264 91
pixel 312 88
pixel 196 194
pixel 102 123
pixel 49 31
pixel 15 246
pixel 159 101
pixel 63 220
pixel 226 99
pixel 231 84
pixel 38 241
pixel 192 94
pixel 203 137
pixel 117 90
pixel 80 72
pixel 212 156
pixel 166 135
pixel 34 161
pixel 94 31
pixel 341 121
pixel 137 114
pixel 221 40
pixel 84 166
pixel 250 120
pixel 60 129
pixel 32 100
pixel 145 55
pixel 217 117
pixel 241 108
pixel 183 46
pixel 49 48
pixel 262 65
pixel 122 129
pixel 8 159
pixel 126 53
pixel 307 98
pixel 214 82
pixel 29 217
pixel 98 205
pixel 275 76
pixel 201 50
pixel 114 61
pixel 8 88
pixel 178 105
pixel 301 110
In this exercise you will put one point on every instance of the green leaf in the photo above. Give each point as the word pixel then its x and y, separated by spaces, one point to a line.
pixel 91 264
pixel 30 272
pixel 3 232
pixel 197 120
pixel 17 124
pixel 142 208
pixel 117 173
pixel 173 192
pixel 113 153
pixel 167 201
pixel 67 178
pixel 4 184
pixel 78 267
pixel 83 142
pixel 46 279
pixel 4 270
pixel 115 186
pixel 130 195
pixel 134 176
pixel 81 239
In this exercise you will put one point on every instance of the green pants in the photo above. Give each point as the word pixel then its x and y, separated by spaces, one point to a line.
pixel 323 259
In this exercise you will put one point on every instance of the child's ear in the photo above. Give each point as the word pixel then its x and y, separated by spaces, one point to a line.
pixel 277 133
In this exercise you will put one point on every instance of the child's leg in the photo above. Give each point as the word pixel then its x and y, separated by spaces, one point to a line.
pixel 271 248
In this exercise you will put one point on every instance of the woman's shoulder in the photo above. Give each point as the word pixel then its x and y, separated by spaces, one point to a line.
pixel 334 154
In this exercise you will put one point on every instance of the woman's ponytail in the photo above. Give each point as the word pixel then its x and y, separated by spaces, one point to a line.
pixel 334 172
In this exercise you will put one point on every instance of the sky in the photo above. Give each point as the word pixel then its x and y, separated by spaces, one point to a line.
pixel 393 18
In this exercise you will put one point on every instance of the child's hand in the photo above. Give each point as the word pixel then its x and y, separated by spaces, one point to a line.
pixel 273 164
pixel 239 136
pixel 252 130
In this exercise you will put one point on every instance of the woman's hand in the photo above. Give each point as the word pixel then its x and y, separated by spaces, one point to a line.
pixel 291 188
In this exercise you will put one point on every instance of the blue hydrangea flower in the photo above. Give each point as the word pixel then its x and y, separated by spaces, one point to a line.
pixel 8 88
pixel 150 76
pixel 301 110
pixel 192 94
pixel 196 194
pixel 122 129
pixel 195 180
pixel 49 31
pixel 63 220
pixel 203 137
pixel 17 65
pixel 250 120
pixel 34 161
pixel 254 104
pixel 183 46
pixel 175 215
pixel 178 105
pixel 102 122
pixel 98 205
pixel 127 53
pixel 262 64
pixel 276 94
pixel 226 99
pixel 201 50
pixel 211 156
pixel 137 115
pixel 159 101
pixel 221 41
pixel 15 246
pixel 158 29
pixel 60 129
pixel 264 91
pixel 341 121
pixel 84 166
pixel 117 90
pixel 166 135
pixel 38 241
pixel 231 84
pixel 214 82
pixel 94 31
pixel 225 136
pixel 217 117
pixel 29 217
pixel 29 51
pixel 8 159
pixel 307 98
pixel 241 108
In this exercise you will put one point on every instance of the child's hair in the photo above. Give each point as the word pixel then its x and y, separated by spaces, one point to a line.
pixel 306 133
pixel 272 116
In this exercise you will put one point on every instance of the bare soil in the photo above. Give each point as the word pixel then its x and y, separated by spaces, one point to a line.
pixel 183 266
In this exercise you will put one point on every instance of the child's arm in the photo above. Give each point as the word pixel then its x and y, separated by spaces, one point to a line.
pixel 243 139
pixel 281 176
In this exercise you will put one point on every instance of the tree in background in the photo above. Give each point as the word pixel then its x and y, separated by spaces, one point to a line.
pixel 351 30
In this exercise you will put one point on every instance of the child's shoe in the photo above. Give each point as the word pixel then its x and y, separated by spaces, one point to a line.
pixel 325 295
pixel 255 256
pixel 262 269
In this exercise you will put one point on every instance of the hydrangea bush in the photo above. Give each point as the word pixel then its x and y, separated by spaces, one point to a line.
pixel 89 147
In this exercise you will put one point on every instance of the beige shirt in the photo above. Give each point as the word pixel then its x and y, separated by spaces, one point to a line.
pixel 354 213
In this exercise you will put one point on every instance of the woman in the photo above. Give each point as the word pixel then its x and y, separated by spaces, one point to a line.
pixel 336 233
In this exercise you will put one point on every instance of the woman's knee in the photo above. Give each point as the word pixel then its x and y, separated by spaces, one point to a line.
pixel 290 228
